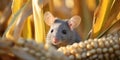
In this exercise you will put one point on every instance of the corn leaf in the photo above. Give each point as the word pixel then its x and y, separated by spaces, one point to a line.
pixel 38 22
pixel 16 5
pixel 112 19
pixel 91 4
pixel 16 16
pixel 113 16
pixel 87 19
pixel 6 14
pixel 21 20
pixel 25 25
pixel 104 9
pixel 27 29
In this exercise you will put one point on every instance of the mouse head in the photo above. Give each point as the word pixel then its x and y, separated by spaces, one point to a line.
pixel 61 32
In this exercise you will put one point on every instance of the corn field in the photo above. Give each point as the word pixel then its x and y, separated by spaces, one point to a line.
pixel 23 30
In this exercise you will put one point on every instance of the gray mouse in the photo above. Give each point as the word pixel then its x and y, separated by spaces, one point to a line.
pixel 62 32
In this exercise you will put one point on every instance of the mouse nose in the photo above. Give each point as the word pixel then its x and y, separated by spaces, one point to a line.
pixel 55 40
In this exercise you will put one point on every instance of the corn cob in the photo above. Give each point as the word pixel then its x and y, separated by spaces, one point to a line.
pixel 105 48
pixel 29 50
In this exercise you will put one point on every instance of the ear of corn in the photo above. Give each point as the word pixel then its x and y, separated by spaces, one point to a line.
pixel 105 48
pixel 29 50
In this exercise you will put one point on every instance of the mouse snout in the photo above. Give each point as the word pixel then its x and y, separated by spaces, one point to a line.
pixel 55 40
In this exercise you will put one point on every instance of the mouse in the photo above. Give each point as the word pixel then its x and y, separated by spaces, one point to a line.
pixel 62 31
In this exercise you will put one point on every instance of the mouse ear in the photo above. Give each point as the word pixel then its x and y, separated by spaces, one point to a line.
pixel 74 22
pixel 49 18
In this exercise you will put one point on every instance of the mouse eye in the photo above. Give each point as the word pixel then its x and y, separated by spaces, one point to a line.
pixel 51 30
pixel 64 32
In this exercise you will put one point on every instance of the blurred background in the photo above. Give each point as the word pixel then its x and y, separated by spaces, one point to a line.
pixel 24 18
